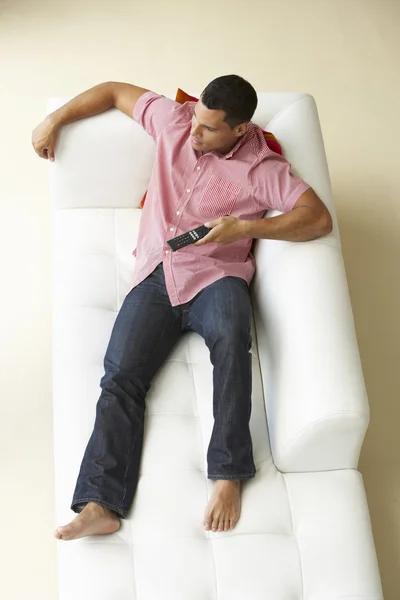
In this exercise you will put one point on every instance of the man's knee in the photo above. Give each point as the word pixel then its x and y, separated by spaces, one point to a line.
pixel 232 334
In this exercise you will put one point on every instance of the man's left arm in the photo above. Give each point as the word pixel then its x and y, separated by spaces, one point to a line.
pixel 309 219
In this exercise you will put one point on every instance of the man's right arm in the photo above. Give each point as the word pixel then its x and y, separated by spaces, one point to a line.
pixel 92 102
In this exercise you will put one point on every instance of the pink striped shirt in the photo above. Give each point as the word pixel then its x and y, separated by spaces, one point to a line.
pixel 188 188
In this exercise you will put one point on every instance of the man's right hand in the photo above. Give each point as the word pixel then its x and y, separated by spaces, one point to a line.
pixel 44 139
pixel 98 99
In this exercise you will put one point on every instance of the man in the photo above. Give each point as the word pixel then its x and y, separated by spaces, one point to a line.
pixel 212 166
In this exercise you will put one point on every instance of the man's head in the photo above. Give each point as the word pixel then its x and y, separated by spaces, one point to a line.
pixel 222 114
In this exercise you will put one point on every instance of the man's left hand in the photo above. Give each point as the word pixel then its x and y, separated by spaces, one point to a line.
pixel 224 231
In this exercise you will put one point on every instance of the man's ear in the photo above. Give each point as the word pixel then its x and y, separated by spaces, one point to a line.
pixel 242 129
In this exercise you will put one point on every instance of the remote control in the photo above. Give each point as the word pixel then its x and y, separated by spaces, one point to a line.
pixel 188 238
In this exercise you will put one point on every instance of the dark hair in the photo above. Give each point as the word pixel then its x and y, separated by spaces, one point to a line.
pixel 234 95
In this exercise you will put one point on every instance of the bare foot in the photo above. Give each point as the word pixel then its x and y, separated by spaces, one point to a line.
pixel 223 510
pixel 92 520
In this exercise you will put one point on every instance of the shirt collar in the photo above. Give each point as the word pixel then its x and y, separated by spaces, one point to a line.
pixel 236 147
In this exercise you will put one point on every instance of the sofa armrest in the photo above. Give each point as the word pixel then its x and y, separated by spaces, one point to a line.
pixel 104 161
pixel 315 397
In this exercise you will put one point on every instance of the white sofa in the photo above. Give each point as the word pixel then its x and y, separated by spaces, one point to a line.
pixel 304 532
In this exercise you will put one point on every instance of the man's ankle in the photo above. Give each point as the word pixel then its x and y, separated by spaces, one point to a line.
pixel 104 509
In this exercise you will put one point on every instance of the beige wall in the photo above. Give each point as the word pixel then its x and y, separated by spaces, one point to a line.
pixel 345 53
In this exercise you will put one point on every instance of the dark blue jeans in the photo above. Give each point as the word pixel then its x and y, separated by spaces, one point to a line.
pixel 145 330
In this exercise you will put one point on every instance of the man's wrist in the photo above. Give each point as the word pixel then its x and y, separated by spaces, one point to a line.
pixel 54 119
pixel 245 228
pixel 257 228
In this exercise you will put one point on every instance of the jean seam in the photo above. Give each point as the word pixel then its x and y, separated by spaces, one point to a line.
pixel 193 314
pixel 241 476
pixel 101 502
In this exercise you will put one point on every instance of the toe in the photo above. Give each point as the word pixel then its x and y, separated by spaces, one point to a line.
pixel 57 534
pixel 65 533
pixel 226 526
pixel 221 526
pixel 232 524
pixel 207 523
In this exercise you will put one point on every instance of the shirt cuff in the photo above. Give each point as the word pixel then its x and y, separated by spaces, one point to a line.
pixel 140 103
pixel 295 195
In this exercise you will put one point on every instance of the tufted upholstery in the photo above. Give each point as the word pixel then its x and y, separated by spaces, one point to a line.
pixel 304 532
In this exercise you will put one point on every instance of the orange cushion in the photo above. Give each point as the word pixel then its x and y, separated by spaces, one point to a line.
pixel 183 97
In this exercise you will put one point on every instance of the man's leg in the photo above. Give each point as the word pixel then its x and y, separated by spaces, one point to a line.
pixel 145 330
pixel 221 313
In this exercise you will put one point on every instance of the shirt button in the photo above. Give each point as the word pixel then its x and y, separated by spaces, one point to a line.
pixel 177 212
pixel 167 252
pixel 171 228
pixel 188 191
pixel 198 168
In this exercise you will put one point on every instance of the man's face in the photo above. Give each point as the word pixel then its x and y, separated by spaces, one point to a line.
pixel 211 133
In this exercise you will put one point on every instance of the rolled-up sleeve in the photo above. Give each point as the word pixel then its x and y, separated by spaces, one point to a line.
pixel 275 187
pixel 154 113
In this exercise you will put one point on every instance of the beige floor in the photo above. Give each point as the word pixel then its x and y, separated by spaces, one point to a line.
pixel 344 52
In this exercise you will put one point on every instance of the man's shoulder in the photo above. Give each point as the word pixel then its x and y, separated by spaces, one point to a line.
pixel 184 112
pixel 264 157
pixel 256 144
